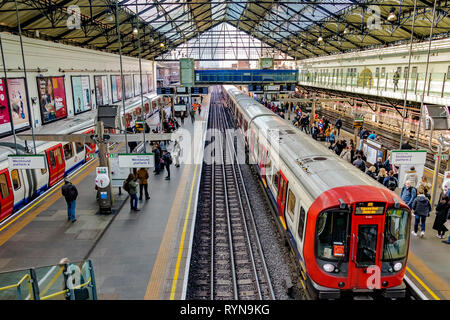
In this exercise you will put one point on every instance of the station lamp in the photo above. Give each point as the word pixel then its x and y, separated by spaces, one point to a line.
pixel 392 15
pixel 135 30
pixel 109 16
pixel 320 39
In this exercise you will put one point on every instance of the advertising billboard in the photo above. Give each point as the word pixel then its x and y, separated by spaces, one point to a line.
pixel 150 83
pixel 81 92
pixel 18 103
pixel 128 86
pixel 52 98
pixel 5 120
pixel 137 84
pixel 101 90
pixel 116 88
pixel 144 83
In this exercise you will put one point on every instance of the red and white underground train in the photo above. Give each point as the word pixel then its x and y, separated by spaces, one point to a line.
pixel 339 222
pixel 20 187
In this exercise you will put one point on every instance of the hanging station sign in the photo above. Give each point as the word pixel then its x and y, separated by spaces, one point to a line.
pixel 136 160
pixel 52 98
pixel 29 161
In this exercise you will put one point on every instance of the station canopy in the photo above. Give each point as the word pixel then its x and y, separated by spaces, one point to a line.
pixel 216 29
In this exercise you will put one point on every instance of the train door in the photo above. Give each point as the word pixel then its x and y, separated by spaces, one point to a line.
pixel 55 163
pixel 367 228
pixel 6 195
pixel 281 196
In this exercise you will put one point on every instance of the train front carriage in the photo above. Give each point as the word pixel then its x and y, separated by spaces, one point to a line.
pixel 357 240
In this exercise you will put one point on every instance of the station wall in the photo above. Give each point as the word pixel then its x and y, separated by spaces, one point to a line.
pixel 67 61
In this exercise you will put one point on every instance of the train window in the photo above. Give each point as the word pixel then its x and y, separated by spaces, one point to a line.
pixel 301 223
pixel 79 147
pixel 383 72
pixel 448 72
pixel 406 73
pixel 331 235
pixel 4 186
pixel 68 151
pixel 51 158
pixel 396 234
pixel 399 70
pixel 58 156
pixel 43 171
pixel 377 72
pixel 15 179
pixel 291 204
pixel 275 179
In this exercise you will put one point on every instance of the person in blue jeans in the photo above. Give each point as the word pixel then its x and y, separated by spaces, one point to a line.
pixel 130 185
pixel 422 209
pixel 70 193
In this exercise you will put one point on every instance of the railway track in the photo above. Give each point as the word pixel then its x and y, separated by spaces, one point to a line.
pixel 229 261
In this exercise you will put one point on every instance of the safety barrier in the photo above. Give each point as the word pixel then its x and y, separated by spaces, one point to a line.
pixel 67 281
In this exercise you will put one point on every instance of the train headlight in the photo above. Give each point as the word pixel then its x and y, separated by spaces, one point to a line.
pixel 328 267
pixel 398 266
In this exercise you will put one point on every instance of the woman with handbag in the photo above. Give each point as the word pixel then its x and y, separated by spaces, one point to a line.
pixel 441 217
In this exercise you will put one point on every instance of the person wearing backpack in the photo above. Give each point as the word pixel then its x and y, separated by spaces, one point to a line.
pixel 422 209
pixel 70 193
pixel 390 181
pixel 408 193
pixel 130 186
pixel 166 161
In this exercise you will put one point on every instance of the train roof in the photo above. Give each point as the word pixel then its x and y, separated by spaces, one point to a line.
pixel 319 168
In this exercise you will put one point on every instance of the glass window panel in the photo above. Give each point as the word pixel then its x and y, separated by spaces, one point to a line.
pixel 4 186
pixel 396 234
pixel 366 250
pixel 291 205
pixel 68 151
pixel 15 179
pixel 332 234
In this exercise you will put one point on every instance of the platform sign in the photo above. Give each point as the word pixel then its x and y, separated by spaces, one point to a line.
pixel 182 90
pixel 26 161
pixel 101 170
pixel 179 107
pixel 444 157
pixel 165 90
pixel 358 123
pixel 255 88
pixel 271 88
pixel 136 160
pixel 287 87
pixel 408 157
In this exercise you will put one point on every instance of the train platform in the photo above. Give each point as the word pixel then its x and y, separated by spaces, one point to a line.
pixel 428 266
pixel 135 255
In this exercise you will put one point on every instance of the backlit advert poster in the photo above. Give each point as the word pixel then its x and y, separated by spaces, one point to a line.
pixel 18 102
pixel 144 83
pixel 128 86
pixel 116 88
pixel 5 121
pixel 81 91
pixel 150 82
pixel 137 84
pixel 52 98
pixel 101 90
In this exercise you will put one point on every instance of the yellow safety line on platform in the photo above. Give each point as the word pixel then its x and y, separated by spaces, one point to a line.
pixel 46 196
pixel 429 275
pixel 183 236
pixel 423 284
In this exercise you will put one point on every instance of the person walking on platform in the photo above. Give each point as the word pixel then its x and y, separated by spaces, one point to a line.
pixel 426 187
pixel 166 160
pixel 70 193
pixel 182 117
pixel 381 175
pixel 412 177
pixel 422 209
pixel 314 131
pixel 192 114
pixel 130 186
pixel 201 100
pixel 390 181
pixel 157 153
pixel 396 77
pixel 177 153
pixel 408 194
pixel 338 126
pixel 442 209
pixel 142 175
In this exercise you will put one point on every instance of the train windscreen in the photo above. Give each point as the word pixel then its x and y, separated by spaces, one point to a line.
pixel 396 233
pixel 332 231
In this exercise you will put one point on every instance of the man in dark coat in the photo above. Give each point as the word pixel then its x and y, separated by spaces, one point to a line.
pixel 338 126
pixel 70 193
pixel 422 209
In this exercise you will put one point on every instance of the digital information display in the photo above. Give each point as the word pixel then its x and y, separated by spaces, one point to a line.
pixel 199 90
pixel 287 87
pixel 370 208
pixel 165 90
